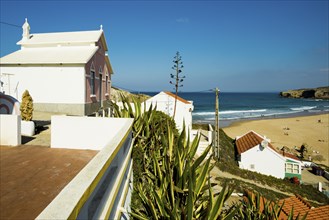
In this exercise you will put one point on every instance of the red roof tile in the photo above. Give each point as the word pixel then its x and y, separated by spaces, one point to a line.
pixel 178 98
pixel 319 213
pixel 289 155
pixel 248 141
pixel 300 206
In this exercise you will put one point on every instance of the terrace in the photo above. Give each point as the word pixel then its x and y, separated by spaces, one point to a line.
pixel 85 173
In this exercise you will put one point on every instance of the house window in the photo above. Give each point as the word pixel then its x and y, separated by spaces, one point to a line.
pixel 106 83
pixel 252 166
pixel 288 168
pixel 291 168
pixel 92 82
pixel 100 82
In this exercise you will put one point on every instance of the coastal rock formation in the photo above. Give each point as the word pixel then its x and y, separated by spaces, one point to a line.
pixel 316 93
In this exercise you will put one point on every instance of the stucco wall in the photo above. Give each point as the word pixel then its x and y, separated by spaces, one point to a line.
pixel 98 63
pixel 10 130
pixel 265 161
pixel 166 104
pixel 46 84
pixel 83 132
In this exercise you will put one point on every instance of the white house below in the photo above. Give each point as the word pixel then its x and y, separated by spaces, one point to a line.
pixel 165 102
pixel 256 153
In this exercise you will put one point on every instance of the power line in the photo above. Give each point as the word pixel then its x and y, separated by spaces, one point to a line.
pixel 9 24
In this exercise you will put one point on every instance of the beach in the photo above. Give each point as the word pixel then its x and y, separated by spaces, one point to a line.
pixel 290 132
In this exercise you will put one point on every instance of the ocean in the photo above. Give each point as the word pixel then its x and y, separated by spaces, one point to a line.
pixel 246 106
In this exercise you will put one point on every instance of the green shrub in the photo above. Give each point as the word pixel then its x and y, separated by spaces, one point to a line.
pixel 168 181
pixel 26 107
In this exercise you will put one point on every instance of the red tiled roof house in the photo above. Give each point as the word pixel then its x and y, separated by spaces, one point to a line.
pixel 256 153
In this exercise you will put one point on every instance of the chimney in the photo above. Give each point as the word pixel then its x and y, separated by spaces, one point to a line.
pixel 26 30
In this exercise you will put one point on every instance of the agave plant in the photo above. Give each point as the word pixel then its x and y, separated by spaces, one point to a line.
pixel 172 182
pixel 178 185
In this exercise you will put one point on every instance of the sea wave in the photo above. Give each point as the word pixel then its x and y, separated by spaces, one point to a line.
pixel 243 111
pixel 303 108
pixel 230 112
pixel 273 114
pixel 204 113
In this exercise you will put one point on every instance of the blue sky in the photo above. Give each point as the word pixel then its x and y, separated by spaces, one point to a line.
pixel 234 45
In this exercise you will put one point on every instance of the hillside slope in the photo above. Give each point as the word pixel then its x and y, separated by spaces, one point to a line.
pixel 116 95
pixel 270 187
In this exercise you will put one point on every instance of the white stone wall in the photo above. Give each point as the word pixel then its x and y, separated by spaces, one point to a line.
pixel 10 130
pixel 46 84
pixel 265 161
pixel 83 132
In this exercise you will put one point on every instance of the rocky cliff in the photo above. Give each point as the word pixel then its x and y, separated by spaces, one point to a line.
pixel 316 93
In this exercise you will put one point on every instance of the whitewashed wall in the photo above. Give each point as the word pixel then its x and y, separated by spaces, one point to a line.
pixel 10 130
pixel 101 188
pixel 166 103
pixel 83 132
pixel 46 84
pixel 265 161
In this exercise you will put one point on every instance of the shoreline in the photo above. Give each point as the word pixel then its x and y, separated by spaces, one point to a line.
pixel 232 122
pixel 224 123
pixel 291 132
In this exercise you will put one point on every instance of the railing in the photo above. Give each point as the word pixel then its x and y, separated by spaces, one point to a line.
pixel 101 190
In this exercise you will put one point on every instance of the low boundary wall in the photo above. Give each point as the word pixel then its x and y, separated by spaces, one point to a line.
pixel 76 132
pixel 101 189
pixel 10 130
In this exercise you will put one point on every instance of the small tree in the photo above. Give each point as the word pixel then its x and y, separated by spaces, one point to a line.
pixel 26 106
pixel 178 66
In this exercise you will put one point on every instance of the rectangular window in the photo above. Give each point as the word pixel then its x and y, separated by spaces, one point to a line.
pixel 252 166
pixel 291 168
pixel 92 82
pixel 106 84
pixel 100 85
pixel 288 168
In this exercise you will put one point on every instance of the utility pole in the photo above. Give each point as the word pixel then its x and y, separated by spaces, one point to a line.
pixel 217 126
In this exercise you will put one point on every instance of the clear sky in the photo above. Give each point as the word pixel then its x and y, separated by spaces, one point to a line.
pixel 234 45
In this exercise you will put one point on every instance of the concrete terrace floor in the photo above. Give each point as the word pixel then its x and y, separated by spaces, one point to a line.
pixel 32 176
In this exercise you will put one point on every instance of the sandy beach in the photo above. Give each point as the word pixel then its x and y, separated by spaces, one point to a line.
pixel 290 132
